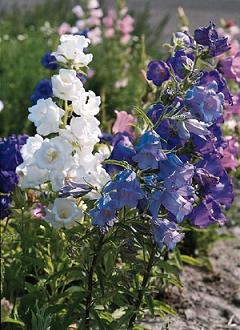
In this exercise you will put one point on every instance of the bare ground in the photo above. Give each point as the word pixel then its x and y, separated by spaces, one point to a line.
pixel 208 300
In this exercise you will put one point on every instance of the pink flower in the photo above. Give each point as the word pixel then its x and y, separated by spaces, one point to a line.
pixel 125 39
pixel 109 33
pixel 39 211
pixel 78 11
pixel 126 24
pixel 225 67
pixel 64 28
pixel 235 47
pixel 230 67
pixel 112 13
pixel 108 21
pixel 95 35
pixel 96 13
pixel 93 21
pixel 236 66
pixel 123 123
pixel 230 153
pixel 232 110
pixel 121 83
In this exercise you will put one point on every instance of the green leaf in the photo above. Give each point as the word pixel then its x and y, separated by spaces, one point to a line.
pixel 100 319
pixel 116 162
pixel 191 261
pixel 8 319
pixel 163 307
pixel 150 303
pixel 143 116
pixel 178 258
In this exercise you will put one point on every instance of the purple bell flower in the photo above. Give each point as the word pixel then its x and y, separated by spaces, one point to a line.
pixel 104 213
pixel 125 189
pixel 158 72
pixel 43 90
pixel 208 36
pixel 206 213
pixel 149 151
pixel 205 103
pixel 182 63
pixel 49 61
pixel 166 233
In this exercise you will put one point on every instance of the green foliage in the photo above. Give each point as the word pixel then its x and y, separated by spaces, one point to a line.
pixel 51 275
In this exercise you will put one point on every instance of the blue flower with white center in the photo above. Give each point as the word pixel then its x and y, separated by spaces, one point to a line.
pixel 149 151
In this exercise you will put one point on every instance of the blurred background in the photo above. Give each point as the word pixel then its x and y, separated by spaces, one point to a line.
pixel 198 12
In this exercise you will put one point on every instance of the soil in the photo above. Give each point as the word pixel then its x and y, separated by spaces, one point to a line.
pixel 209 300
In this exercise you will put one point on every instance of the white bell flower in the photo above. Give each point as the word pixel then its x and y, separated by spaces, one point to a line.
pixel 66 85
pixel 71 49
pixel 33 144
pixel 46 116
pixel 30 175
pixel 53 154
pixel 86 130
pixel 63 213
pixel 89 105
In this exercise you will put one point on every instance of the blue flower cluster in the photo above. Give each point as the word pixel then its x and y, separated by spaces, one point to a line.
pixel 10 158
pixel 175 173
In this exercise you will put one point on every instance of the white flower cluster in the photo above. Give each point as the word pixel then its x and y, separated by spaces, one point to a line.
pixel 62 151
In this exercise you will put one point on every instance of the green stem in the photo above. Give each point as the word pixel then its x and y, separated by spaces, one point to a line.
pixel 88 304
pixel 145 280
pixel 65 119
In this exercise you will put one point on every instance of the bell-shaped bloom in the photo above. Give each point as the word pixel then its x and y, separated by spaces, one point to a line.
pixel 123 123
pixel 53 154
pixel 166 233
pixel 43 90
pixel 49 61
pixel 204 103
pixel 230 153
pixel 67 86
pixel 208 36
pixel 71 50
pixel 46 116
pixel 63 213
pixel 181 40
pixel 125 189
pixel 214 75
pixel 104 213
pixel 222 192
pixel 149 151
pixel 10 151
pixel 182 63
pixel 158 72
pixel 206 213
